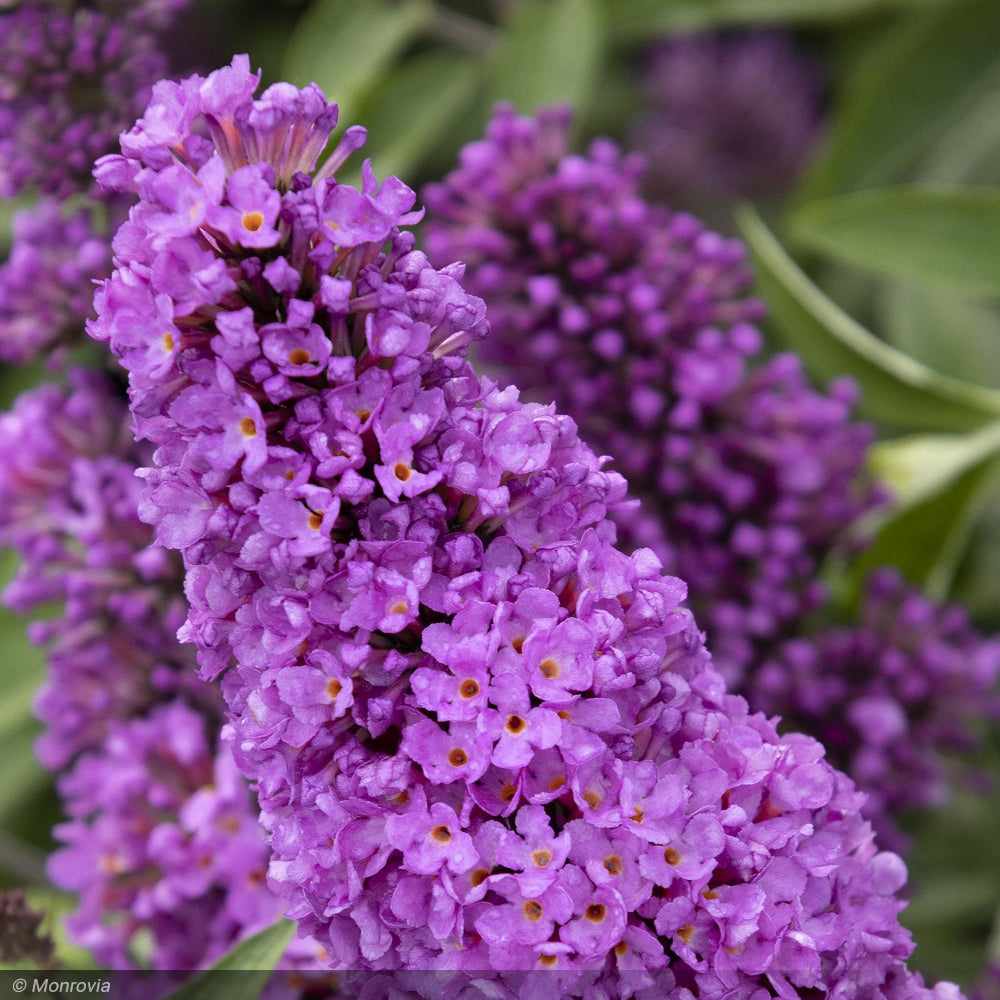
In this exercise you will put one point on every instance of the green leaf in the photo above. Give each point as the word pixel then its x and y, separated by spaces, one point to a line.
pixel 896 389
pixel 9 207
pixel 23 775
pixel 952 334
pixel 940 482
pixel 550 52
pixel 255 958
pixel 977 585
pixel 920 466
pixel 921 77
pixel 21 673
pixel 951 236
pixel 345 46
pixel 967 149
pixel 442 84
pixel 993 948
pixel 57 906
pixel 636 19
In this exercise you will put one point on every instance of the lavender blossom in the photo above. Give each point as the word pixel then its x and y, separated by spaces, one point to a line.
pixel 727 116
pixel 163 836
pixel 483 737
pixel 890 697
pixel 636 321
pixel 72 75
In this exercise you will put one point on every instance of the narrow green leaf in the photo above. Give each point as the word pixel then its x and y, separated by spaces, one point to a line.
pixel 940 482
pixel 952 334
pixel 951 236
pixel 896 389
pixel 23 775
pixel 255 958
pixel 967 148
pixel 9 207
pixel 21 673
pixel 977 584
pixel 442 84
pixel 550 52
pixel 921 76
pixel 920 466
pixel 993 947
pixel 636 19
pixel 345 46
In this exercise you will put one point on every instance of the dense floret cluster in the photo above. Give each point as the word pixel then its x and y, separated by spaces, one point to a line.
pixel 726 116
pixel 163 839
pixel 72 75
pixel 635 320
pixel 482 736
pixel 893 697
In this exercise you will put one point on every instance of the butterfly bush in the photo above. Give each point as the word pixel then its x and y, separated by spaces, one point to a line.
pixel 162 834
pixel 889 695
pixel 636 320
pixel 482 736
pixel 46 283
pixel 72 74
pixel 727 115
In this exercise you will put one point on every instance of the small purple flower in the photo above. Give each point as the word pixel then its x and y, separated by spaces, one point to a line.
pixel 430 840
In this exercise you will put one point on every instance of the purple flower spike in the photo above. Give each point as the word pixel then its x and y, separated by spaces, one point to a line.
pixel 894 698
pixel 532 718
pixel 635 320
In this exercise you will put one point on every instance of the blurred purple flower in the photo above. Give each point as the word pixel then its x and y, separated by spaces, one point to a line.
pixel 633 319
pixel 898 699
pixel 47 282
pixel 727 116
pixel 72 76
pixel 163 836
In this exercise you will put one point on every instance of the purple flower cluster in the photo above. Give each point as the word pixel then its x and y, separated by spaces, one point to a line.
pixel 72 75
pixel 46 284
pixel 890 696
pixel 634 319
pixel 482 736
pixel 727 116
pixel 163 836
